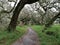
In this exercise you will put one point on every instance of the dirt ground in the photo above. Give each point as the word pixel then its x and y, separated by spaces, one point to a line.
pixel 30 38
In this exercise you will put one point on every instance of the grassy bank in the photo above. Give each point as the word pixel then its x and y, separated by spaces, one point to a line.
pixel 7 38
pixel 45 39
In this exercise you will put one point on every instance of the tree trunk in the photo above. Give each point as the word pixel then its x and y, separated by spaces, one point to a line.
pixel 16 12
pixel 50 22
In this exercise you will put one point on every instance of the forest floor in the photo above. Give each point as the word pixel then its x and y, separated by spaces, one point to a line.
pixel 48 39
pixel 7 38
pixel 30 38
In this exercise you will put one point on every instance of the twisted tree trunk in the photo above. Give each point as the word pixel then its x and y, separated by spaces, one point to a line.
pixel 51 22
pixel 16 12
pixel 13 23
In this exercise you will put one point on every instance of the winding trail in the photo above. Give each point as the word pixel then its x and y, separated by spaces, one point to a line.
pixel 30 38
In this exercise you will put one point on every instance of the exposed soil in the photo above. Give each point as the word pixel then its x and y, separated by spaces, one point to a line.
pixel 30 38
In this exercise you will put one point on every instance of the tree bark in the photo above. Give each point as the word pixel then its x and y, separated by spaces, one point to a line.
pixel 52 20
pixel 16 12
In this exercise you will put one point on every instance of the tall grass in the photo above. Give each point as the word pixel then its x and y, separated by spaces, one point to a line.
pixel 7 38
pixel 46 39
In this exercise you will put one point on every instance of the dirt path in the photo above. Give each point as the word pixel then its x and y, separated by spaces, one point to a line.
pixel 30 38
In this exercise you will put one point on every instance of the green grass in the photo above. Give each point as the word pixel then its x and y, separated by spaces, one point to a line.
pixel 48 39
pixel 7 38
